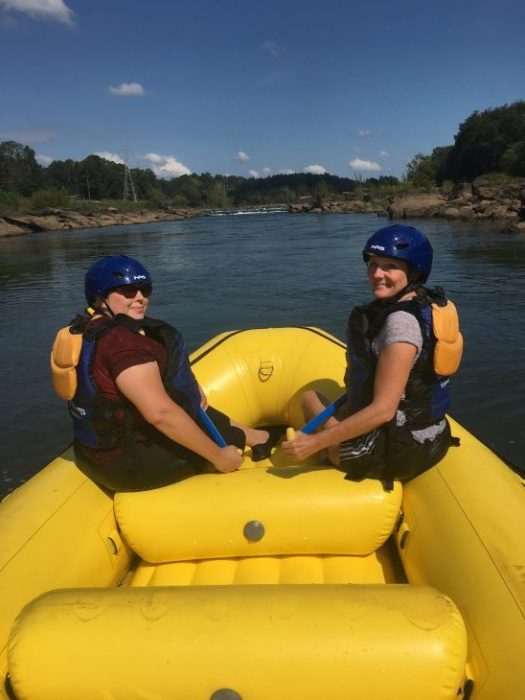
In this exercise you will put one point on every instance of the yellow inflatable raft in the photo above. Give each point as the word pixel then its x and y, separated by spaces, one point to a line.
pixel 276 581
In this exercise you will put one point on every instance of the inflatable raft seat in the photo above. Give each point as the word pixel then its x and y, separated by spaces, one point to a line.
pixel 258 512
pixel 247 642
pixel 285 569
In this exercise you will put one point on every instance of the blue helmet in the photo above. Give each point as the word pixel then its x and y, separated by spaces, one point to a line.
pixel 403 243
pixel 113 271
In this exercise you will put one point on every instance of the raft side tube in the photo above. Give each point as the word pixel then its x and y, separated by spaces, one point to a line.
pixel 463 533
pixel 58 531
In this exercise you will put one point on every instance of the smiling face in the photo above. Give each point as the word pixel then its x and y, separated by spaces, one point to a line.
pixel 131 300
pixel 387 276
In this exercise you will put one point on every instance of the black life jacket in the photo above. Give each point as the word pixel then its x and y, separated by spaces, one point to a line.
pixel 427 395
pixel 103 424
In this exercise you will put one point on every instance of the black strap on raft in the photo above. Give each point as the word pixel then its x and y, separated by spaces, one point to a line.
pixel 388 483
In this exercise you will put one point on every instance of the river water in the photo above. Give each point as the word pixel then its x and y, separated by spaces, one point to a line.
pixel 227 272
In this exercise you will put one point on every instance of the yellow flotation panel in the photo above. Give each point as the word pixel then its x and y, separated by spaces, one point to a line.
pixel 261 642
pixel 258 512
pixel 448 350
pixel 64 359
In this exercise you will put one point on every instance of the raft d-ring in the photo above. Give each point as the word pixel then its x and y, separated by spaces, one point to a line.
pixel 403 535
pixel 266 370
pixel 113 542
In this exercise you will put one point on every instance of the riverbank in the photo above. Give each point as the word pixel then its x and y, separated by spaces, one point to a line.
pixel 52 219
pixel 480 200
pixel 484 200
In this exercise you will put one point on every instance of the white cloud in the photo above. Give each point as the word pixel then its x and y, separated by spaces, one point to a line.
pixel 242 156
pixel 287 171
pixel 364 133
pixel 267 171
pixel 367 165
pixel 43 160
pixel 315 170
pixel 41 9
pixel 272 48
pixel 384 154
pixel 166 166
pixel 154 158
pixel 127 90
pixel 253 173
pixel 113 157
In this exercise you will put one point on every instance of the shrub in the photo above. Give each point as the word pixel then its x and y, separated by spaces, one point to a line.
pixel 9 201
pixel 43 199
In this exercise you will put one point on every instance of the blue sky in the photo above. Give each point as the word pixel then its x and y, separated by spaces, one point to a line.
pixel 254 87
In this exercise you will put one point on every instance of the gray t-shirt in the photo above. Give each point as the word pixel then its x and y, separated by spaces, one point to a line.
pixel 399 327
pixel 403 327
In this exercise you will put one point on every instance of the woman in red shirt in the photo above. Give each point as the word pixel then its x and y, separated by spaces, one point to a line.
pixel 137 403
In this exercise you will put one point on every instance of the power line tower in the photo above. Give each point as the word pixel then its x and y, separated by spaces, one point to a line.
pixel 129 191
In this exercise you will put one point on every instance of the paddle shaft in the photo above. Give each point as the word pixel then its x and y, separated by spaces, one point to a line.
pixel 212 428
pixel 322 417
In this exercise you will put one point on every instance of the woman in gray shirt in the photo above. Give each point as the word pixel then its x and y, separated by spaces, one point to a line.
pixel 393 424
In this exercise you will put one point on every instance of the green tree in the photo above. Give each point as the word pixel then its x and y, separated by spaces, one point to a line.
pixel 513 159
pixel 420 171
pixel 63 175
pixel 144 181
pixel 189 188
pixel 19 171
pixel 483 141
pixel 320 193
pixel 101 179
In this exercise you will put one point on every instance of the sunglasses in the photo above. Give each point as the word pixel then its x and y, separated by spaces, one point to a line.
pixel 130 290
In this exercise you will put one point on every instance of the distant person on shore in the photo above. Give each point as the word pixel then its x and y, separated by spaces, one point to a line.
pixel 402 349
pixel 133 397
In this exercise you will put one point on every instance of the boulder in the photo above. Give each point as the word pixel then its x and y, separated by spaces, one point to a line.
pixel 416 205
pixel 9 229
pixel 47 223
pixel 517 227
pixel 467 212
pixel 462 189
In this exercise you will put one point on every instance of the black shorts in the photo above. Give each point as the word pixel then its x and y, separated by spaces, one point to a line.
pixel 155 462
pixel 396 455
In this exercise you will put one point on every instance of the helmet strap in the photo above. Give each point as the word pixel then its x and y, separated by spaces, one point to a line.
pixel 107 306
pixel 411 287
pixel 413 284
pixel 103 309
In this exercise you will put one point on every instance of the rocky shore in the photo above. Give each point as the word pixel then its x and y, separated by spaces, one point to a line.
pixel 476 201
pixel 67 219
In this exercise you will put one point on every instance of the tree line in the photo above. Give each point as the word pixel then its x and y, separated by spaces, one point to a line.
pixel 95 179
pixel 488 142
pixel 492 141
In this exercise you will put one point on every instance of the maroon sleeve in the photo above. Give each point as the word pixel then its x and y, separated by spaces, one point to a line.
pixel 119 349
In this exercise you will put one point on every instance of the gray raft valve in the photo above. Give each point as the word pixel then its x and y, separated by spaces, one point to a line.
pixel 253 531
